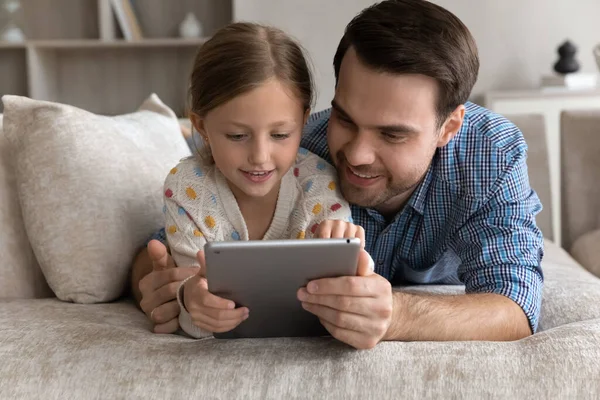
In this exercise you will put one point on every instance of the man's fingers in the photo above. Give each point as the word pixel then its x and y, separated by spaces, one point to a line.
pixel 366 266
pixel 323 230
pixel 358 286
pixel 356 305
pixel 168 327
pixel 159 256
pixel 349 321
pixel 360 233
pixel 164 294
pixel 157 279
pixel 352 338
pixel 165 312
pixel 339 229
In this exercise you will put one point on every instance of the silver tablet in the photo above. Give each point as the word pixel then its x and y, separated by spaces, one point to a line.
pixel 265 275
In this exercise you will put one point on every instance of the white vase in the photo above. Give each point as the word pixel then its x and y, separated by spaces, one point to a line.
pixel 12 33
pixel 190 27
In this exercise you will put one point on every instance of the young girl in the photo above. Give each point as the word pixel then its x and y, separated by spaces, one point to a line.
pixel 250 93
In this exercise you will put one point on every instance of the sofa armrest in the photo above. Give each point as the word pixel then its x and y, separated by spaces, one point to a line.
pixel 586 251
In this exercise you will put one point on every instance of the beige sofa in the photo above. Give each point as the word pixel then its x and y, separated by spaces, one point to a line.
pixel 51 349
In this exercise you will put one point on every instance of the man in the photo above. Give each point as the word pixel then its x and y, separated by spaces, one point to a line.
pixel 439 184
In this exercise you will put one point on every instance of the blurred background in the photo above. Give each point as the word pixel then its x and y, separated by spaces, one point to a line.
pixel 107 55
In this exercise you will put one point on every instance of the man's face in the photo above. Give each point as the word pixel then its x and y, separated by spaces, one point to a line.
pixel 383 133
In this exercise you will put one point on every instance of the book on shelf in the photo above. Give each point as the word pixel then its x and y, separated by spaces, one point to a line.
pixel 575 81
pixel 127 19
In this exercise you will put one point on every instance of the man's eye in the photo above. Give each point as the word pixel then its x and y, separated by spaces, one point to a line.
pixel 344 121
pixel 393 137
pixel 236 137
pixel 280 136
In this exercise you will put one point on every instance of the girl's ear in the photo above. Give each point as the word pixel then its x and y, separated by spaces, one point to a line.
pixel 306 115
pixel 198 124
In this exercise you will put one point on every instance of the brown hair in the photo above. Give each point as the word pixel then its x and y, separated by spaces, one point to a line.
pixel 415 37
pixel 242 56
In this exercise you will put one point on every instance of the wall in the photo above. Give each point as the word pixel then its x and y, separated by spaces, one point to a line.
pixel 517 39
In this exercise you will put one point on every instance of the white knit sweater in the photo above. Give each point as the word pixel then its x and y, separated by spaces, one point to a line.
pixel 200 208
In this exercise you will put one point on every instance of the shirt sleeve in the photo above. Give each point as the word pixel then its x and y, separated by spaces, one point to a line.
pixel 321 196
pixel 501 247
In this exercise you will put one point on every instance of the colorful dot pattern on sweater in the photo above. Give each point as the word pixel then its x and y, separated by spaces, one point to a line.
pixel 191 193
pixel 200 207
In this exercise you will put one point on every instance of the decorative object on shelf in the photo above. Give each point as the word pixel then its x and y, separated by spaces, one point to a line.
pixel 575 81
pixel 567 63
pixel 128 21
pixel 190 27
pixel 11 31
pixel 597 54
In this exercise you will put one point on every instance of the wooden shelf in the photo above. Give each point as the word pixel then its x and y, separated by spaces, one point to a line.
pixel 115 44
pixel 9 45
pixel 75 53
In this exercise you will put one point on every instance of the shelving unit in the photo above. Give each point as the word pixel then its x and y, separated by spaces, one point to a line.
pixel 75 53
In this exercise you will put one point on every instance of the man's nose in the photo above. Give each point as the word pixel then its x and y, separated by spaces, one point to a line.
pixel 359 150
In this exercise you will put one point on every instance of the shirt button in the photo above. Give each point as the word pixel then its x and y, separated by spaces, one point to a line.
pixel 380 262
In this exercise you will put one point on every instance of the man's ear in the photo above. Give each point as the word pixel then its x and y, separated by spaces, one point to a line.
pixel 451 126
pixel 198 124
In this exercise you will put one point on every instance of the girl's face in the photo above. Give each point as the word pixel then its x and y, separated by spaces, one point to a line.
pixel 254 138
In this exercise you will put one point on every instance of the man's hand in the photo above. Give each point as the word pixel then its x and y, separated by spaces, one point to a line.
pixel 207 311
pixel 356 310
pixel 340 229
pixel 159 289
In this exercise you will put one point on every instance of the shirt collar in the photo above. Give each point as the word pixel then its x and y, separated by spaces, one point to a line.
pixel 419 196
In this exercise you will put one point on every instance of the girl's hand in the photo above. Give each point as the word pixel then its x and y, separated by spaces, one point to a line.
pixel 340 229
pixel 207 311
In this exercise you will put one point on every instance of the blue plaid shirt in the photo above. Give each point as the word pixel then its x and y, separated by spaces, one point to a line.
pixel 471 221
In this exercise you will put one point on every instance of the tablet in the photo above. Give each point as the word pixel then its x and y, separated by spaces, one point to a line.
pixel 265 275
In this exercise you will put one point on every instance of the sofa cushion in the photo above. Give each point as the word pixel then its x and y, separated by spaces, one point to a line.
pixel 90 188
pixel 586 250
pixel 570 294
pixel 20 274
pixel 55 350
pixel 58 350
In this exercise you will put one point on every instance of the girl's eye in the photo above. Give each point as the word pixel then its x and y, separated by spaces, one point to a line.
pixel 280 136
pixel 236 137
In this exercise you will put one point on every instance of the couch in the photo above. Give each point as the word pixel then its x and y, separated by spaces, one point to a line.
pixel 56 349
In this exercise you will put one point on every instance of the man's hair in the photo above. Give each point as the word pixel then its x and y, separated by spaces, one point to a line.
pixel 415 37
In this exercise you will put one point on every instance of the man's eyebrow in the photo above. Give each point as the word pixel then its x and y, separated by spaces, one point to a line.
pixel 340 110
pixel 394 128
pixel 399 129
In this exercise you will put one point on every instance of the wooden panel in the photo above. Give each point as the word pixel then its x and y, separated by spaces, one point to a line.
pixel 57 19
pixel 13 72
pixel 88 44
pixel 42 74
pixel 116 80
pixel 160 18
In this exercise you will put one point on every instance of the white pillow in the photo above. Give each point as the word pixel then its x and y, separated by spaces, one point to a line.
pixel 90 188
pixel 20 274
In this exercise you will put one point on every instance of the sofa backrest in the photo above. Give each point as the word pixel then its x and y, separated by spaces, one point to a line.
pixel 580 174
pixel 534 132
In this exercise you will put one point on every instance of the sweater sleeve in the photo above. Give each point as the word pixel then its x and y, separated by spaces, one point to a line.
pixel 184 236
pixel 321 199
